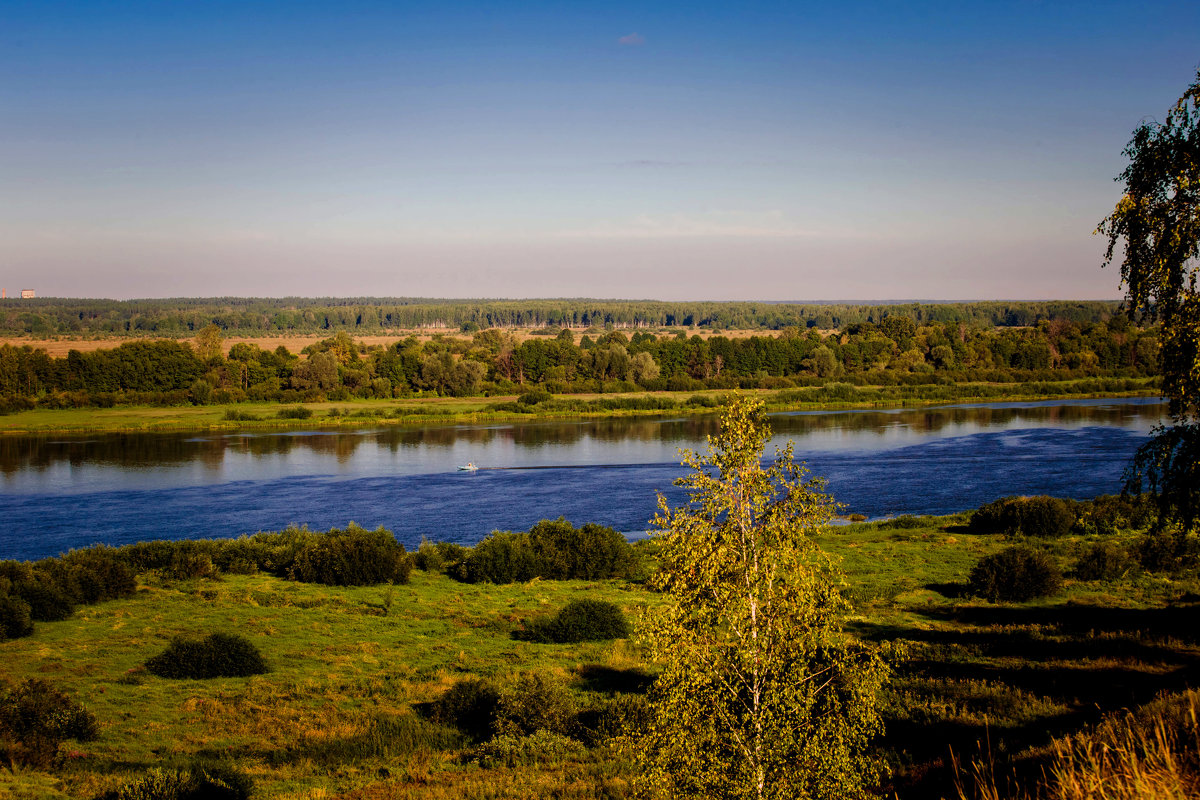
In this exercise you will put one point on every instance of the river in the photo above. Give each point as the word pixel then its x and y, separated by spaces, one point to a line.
pixel 59 492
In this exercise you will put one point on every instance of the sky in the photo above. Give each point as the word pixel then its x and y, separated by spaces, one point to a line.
pixel 669 150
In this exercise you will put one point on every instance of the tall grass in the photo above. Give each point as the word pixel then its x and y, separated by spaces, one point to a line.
pixel 1151 753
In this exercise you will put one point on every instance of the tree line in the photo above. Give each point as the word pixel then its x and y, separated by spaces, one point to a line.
pixel 898 351
pixel 250 316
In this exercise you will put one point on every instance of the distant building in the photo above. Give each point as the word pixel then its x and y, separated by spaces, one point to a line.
pixel 27 294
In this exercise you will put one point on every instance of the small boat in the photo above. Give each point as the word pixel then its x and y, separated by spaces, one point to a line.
pixel 468 467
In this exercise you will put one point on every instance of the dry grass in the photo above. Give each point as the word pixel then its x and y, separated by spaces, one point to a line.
pixel 1153 754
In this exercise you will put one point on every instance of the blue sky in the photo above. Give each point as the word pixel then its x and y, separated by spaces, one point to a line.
pixel 668 150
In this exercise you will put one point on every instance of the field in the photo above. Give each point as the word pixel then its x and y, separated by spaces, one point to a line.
pixel 339 713
pixel 60 346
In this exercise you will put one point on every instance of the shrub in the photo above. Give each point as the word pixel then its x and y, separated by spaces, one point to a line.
pixel 1031 516
pixel 501 557
pixel 471 706
pixel 15 620
pixel 579 621
pixel 218 655
pixel 902 522
pixel 92 575
pixel 35 717
pixel 552 549
pixel 353 557
pixel 198 782
pixel 534 396
pixel 539 747
pixel 294 412
pixel 1016 574
pixel 1167 551
pixel 1103 561
pixel 535 702
pixel 1111 513
pixel 47 603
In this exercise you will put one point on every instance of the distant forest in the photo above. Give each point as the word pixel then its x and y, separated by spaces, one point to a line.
pixel 249 316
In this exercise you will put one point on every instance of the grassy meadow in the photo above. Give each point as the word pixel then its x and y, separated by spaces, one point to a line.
pixel 340 713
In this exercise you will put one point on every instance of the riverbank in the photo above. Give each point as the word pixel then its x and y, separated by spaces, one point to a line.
pixel 344 709
pixel 469 410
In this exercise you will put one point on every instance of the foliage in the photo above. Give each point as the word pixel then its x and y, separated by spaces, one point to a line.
pixel 761 694
pixel 15 619
pixel 553 550
pixel 199 782
pixel 1167 551
pixel 1157 222
pixel 35 717
pixel 535 701
pixel 1015 574
pixel 1103 561
pixel 1031 516
pixel 218 655
pixel 353 557
pixel 294 412
pixel 47 602
pixel 1110 513
pixel 1168 466
pixel 579 621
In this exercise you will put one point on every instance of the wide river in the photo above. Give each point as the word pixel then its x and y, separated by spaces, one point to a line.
pixel 57 492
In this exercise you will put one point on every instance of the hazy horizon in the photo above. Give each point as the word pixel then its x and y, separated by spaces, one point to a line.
pixel 681 151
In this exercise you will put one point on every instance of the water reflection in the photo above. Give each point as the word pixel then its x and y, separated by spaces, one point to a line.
pixel 45 463
pixel 61 493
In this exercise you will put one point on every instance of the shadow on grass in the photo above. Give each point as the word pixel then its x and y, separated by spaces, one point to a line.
pixel 598 678
pixel 1011 678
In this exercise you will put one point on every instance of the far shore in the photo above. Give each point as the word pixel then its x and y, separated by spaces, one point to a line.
pixel 251 416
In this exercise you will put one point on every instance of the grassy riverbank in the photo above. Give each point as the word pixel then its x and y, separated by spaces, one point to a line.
pixel 339 715
pixel 426 410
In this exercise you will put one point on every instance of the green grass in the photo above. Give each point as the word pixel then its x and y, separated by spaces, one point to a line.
pixel 355 413
pixel 335 716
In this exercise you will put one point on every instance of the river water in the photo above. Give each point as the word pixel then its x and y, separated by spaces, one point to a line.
pixel 57 493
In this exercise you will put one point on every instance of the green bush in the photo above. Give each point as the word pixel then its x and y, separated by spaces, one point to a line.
pixel 552 550
pixel 1015 574
pixel 91 575
pixel 1031 516
pixel 47 602
pixel 15 619
pixel 1111 513
pixel 438 556
pixel 1167 551
pixel 1103 561
pixel 218 655
pixel 353 557
pixel 501 557
pixel 579 621
pixel 471 706
pixel 198 782
pixel 35 717
pixel 294 412
pixel 902 522
pixel 535 702
pixel 534 396
pixel 591 552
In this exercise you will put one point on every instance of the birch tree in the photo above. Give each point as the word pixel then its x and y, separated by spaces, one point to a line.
pixel 761 694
